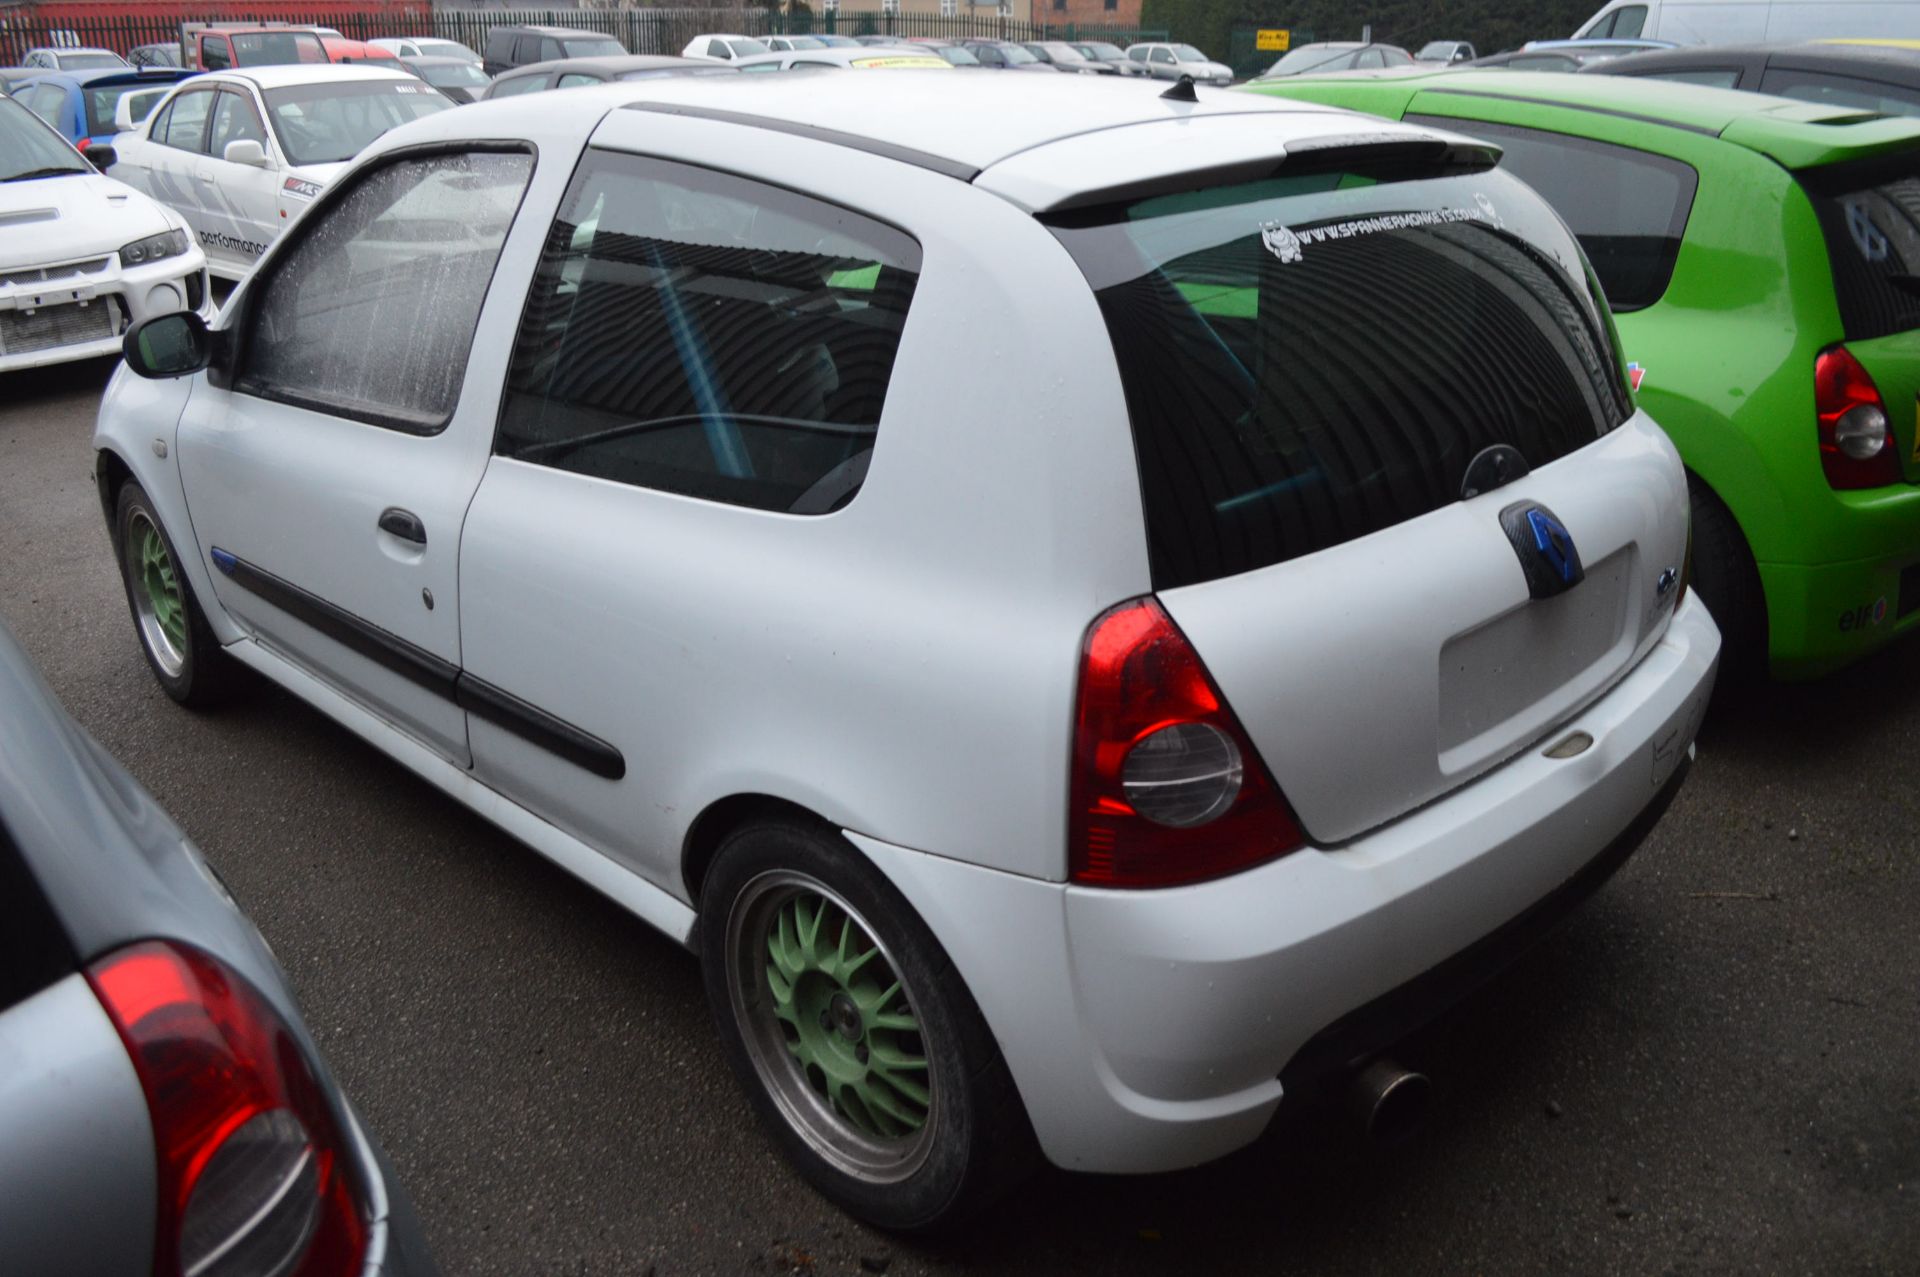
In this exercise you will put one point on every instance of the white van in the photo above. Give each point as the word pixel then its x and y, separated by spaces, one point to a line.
pixel 1747 21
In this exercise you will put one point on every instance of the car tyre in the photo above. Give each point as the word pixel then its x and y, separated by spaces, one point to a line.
pixel 1725 577
pixel 817 970
pixel 174 636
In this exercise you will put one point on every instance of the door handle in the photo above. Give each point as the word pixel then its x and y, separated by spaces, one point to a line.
pixel 404 524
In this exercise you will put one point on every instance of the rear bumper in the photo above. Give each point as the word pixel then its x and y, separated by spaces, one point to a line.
pixel 84 316
pixel 1823 616
pixel 1154 1030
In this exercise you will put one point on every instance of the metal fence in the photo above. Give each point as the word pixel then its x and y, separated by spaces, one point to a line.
pixel 639 30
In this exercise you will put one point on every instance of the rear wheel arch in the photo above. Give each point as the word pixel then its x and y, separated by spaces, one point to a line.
pixel 724 816
pixel 1724 563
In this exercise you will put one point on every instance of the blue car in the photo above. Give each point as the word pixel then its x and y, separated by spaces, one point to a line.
pixel 80 104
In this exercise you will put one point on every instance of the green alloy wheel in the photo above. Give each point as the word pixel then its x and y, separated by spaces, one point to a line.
pixel 830 1027
pixel 159 607
pixel 856 1041
pixel 181 650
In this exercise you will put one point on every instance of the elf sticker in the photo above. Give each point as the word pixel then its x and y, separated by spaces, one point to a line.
pixel 1634 373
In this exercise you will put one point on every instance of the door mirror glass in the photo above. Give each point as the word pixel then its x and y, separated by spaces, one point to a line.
pixel 101 156
pixel 245 151
pixel 168 345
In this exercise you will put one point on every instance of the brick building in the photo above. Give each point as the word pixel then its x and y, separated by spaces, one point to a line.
pixel 1102 13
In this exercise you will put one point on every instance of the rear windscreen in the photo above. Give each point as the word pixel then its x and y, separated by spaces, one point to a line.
pixel 1309 359
pixel 1870 214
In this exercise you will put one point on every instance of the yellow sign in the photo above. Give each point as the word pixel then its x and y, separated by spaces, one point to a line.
pixel 926 62
pixel 1272 41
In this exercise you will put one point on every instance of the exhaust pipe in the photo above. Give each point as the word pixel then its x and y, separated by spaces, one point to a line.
pixel 1390 1102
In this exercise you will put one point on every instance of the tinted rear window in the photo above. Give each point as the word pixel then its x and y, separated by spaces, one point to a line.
pixel 1310 359
pixel 1870 214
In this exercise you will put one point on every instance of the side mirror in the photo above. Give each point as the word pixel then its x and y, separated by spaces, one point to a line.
pixel 246 151
pixel 171 345
pixel 101 156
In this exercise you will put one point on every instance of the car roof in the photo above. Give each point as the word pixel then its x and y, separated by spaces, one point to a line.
pixel 443 59
pixel 955 126
pixel 609 64
pixel 1835 56
pixel 132 75
pixel 1795 133
pixel 831 54
pixel 281 77
pixel 561 32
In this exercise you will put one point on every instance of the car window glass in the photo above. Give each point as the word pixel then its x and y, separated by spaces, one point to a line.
pixel 186 122
pixel 702 334
pixel 1306 358
pixel 1162 55
pixel 1628 22
pixel 527 50
pixel 1628 208
pixel 574 79
pixel 1842 91
pixel 45 101
pixel 1368 58
pixel 371 313
pixel 718 49
pixel 214 55
pixel 1713 78
pixel 332 121
pixel 516 84
pixel 235 120
pixel 1869 213
pixel 550 49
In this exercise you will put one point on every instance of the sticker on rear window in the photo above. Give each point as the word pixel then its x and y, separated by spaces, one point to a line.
pixel 1289 245
pixel 1635 374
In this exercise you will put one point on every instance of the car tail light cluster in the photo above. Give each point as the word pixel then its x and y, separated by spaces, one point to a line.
pixel 1856 443
pixel 253 1174
pixel 1166 788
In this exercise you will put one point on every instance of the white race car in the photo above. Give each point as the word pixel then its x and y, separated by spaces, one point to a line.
pixel 241 153
pixel 81 256
pixel 1082 775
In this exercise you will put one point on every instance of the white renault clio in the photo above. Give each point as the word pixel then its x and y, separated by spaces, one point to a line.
pixel 1080 777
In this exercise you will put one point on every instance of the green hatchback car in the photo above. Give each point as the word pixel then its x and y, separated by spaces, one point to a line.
pixel 1762 258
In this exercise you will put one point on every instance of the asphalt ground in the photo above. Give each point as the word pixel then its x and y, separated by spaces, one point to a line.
pixel 1711 1068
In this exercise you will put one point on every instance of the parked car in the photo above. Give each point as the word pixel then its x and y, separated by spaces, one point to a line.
pixel 163 1095
pixel 221 47
pixel 571 73
pixel 1336 55
pixel 724 48
pixel 518 46
pixel 1062 56
pixel 854 59
pixel 1446 52
pixel 954 54
pixel 84 256
pixel 73 59
pixel 155 55
pixel 11 76
pixel 789 43
pixel 1172 61
pixel 1741 21
pixel 460 79
pixel 871 40
pixel 837 41
pixel 240 153
pixel 1111 55
pixel 1005 55
pixel 425 46
pixel 80 104
pixel 342 50
pixel 1260 718
pixel 1756 257
pixel 1879 78
pixel 1524 60
pixel 1589 51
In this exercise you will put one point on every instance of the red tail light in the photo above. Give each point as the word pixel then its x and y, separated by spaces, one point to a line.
pixel 1856 443
pixel 1166 786
pixel 253 1174
pixel 82 145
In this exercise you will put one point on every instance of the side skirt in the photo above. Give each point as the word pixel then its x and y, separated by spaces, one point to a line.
pixel 624 887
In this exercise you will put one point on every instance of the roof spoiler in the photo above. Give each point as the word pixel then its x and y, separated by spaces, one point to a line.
pixel 1391 155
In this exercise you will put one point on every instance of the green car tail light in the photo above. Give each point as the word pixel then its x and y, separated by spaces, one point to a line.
pixel 1856 442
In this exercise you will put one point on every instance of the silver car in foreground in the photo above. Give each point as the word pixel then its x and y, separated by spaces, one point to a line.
pixel 1060 774
pixel 162 1107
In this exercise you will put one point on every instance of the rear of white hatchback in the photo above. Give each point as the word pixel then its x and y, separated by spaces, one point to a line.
pixel 1415 669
